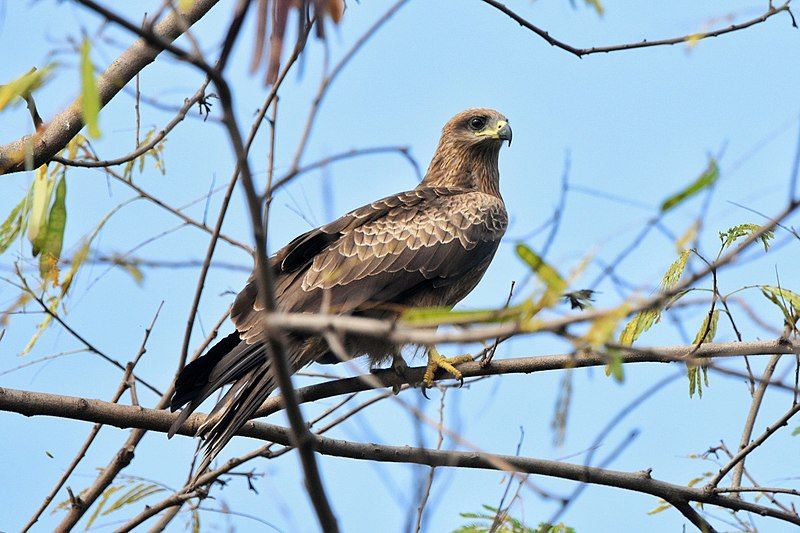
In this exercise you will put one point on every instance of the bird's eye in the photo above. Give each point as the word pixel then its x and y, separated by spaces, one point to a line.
pixel 477 123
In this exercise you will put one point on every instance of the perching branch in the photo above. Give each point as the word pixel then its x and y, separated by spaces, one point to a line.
pixel 35 404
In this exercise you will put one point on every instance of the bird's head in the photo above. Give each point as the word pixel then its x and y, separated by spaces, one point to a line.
pixel 478 127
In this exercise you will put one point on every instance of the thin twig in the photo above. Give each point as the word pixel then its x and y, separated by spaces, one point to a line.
pixel 692 37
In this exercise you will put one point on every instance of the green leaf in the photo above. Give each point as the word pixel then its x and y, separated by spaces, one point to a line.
pixel 614 366
pixel 133 495
pixel 41 192
pixel 644 320
pixel 23 85
pixel 13 224
pixel 743 230
pixel 602 329
pixel 432 316
pixel 708 330
pixel 706 333
pixel 90 97
pixel 54 234
pixel 641 322
pixel 103 500
pixel 786 300
pixel 796 431
pixel 554 282
pixel 705 180
pixel 675 271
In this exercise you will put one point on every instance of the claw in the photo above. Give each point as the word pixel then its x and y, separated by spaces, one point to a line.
pixel 437 361
pixel 400 368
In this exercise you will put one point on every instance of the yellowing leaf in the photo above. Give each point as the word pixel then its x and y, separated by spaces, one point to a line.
pixel 603 328
pixel 640 323
pixel 705 180
pixel 706 333
pixel 663 506
pixel 90 98
pixel 598 7
pixel 13 224
pixel 692 40
pixel 52 303
pixel 675 271
pixel 185 5
pixel 41 191
pixel 614 366
pixel 53 240
pixel 552 279
pixel 644 320
pixel 432 316
pixel 786 300
pixel 685 240
pixel 23 85
pixel 743 230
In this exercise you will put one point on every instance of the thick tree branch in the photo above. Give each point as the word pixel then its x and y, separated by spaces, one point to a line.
pixel 33 404
pixel 55 134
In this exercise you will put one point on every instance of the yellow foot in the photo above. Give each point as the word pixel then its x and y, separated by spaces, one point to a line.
pixel 437 361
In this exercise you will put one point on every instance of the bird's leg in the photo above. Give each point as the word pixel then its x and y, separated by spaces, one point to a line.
pixel 400 367
pixel 437 361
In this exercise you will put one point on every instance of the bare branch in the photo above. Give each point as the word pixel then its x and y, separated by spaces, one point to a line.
pixel 55 135
pixel 692 37
pixel 31 404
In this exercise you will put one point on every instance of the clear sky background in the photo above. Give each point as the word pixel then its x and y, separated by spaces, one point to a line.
pixel 637 125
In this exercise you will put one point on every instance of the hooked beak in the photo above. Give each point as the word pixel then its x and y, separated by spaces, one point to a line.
pixel 504 131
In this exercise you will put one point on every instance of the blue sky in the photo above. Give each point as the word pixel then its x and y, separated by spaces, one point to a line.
pixel 637 125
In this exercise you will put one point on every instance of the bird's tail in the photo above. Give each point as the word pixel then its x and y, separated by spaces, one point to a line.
pixel 229 361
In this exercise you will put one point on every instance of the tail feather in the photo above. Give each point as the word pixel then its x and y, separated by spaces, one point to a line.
pixel 202 377
pixel 196 374
pixel 247 367
pixel 231 360
pixel 238 405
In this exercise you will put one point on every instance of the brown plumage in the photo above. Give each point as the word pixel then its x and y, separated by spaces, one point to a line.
pixel 426 247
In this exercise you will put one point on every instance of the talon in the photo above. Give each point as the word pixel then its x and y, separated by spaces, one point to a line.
pixel 437 361
pixel 400 368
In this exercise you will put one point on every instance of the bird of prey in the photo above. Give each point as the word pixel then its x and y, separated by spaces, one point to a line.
pixel 429 246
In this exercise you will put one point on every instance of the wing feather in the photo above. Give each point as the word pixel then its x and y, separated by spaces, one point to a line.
pixel 381 251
